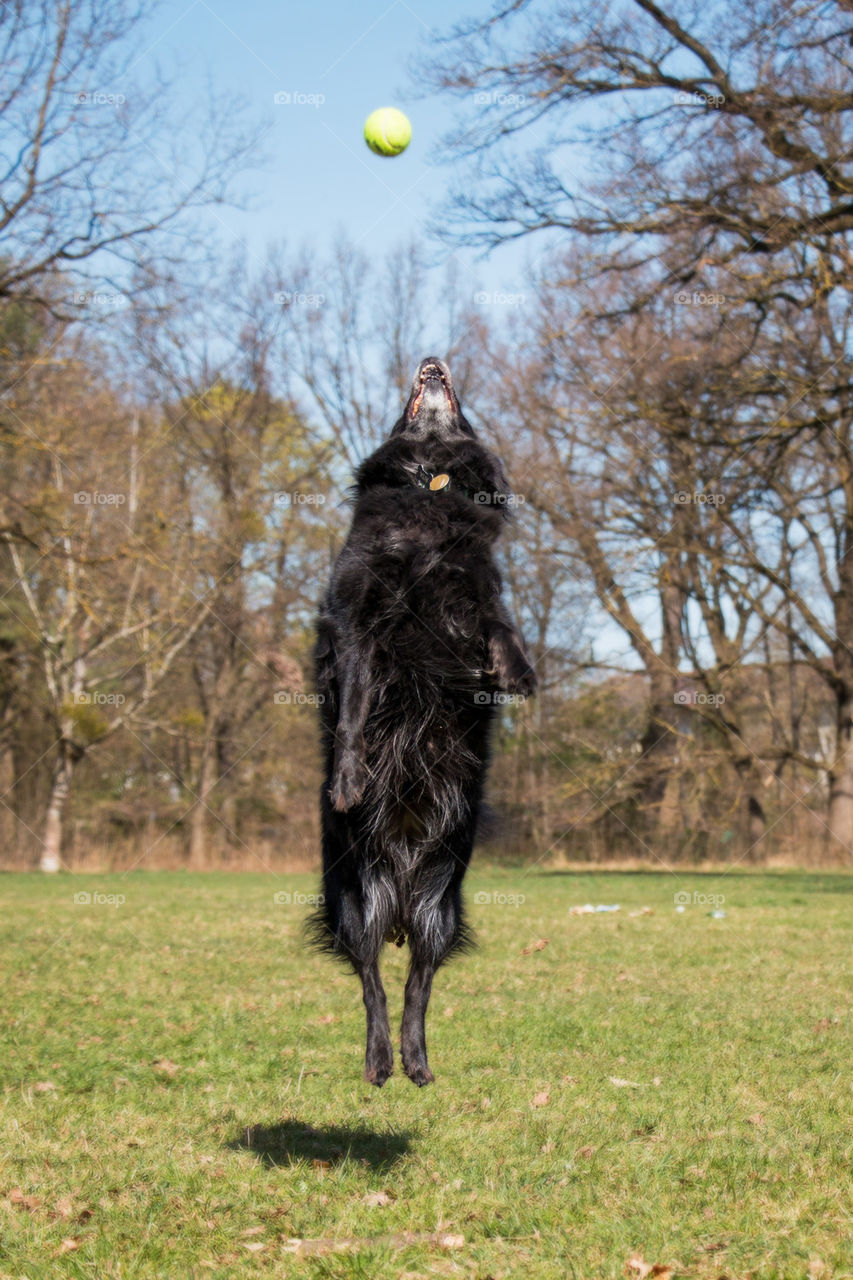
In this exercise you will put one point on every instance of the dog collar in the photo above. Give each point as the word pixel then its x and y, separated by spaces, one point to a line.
pixel 439 482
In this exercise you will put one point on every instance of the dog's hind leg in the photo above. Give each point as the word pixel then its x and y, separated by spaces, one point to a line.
pixel 437 930
pixel 379 1059
pixel 413 1031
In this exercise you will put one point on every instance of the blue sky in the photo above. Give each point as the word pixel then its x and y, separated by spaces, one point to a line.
pixel 337 61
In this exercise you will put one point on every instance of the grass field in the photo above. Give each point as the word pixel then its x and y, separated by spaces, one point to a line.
pixel 183 1096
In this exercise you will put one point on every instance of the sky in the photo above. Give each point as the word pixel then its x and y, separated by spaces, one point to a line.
pixel 331 63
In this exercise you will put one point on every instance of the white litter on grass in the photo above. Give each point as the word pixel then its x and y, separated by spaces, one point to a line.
pixel 589 909
pixel 717 915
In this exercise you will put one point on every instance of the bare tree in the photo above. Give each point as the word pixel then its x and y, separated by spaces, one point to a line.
pixel 93 167
pixel 692 160
pixel 252 507
pixel 736 132
pixel 94 588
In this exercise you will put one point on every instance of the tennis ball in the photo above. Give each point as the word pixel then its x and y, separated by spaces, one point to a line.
pixel 387 131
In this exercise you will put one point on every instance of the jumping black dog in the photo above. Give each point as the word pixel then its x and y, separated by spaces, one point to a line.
pixel 413 643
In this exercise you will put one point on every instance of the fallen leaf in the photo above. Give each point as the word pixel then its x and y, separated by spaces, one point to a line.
pixel 254 1246
pixel 376 1198
pixel 756 1119
pixel 541 1099
pixel 539 945
pixel 252 1231
pixel 637 1266
pixel 586 1152
pixel 326 1019
pixel 625 1084
pixel 547 1148
pixel 445 1240
pixel 69 1245
pixel 321 1164
pixel 44 1086
pixel 817 1268
pixel 26 1202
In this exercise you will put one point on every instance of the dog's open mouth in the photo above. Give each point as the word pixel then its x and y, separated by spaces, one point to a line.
pixel 431 378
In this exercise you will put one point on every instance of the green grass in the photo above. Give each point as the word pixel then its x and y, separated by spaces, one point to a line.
pixel 183 1096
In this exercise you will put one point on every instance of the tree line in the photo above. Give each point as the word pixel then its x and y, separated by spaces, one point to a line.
pixel 671 396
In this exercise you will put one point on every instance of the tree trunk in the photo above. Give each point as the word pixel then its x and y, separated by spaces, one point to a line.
pixel 198 824
pixel 226 781
pixel 841 777
pixel 658 751
pixel 753 818
pixel 60 789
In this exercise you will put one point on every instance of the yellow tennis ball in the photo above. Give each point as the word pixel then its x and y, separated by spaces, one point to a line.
pixel 387 131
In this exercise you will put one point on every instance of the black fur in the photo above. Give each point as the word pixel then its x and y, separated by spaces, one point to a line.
pixel 413 641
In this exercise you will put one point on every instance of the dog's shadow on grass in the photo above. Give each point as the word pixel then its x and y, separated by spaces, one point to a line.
pixel 290 1141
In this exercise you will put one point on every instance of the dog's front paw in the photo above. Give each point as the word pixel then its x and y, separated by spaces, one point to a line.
pixel 348 782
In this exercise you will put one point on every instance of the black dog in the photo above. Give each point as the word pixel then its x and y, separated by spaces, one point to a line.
pixel 413 642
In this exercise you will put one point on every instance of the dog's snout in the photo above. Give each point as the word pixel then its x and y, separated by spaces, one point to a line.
pixel 433 370
pixel 432 403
